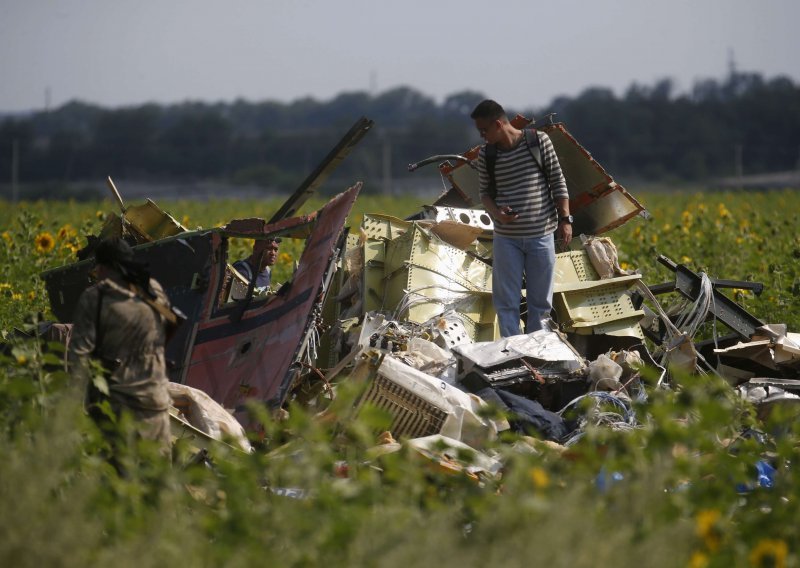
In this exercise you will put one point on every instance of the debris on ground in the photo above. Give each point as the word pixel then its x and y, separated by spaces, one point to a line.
pixel 403 308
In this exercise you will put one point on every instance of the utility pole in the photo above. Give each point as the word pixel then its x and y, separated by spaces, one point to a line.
pixel 387 163
pixel 739 168
pixel 14 171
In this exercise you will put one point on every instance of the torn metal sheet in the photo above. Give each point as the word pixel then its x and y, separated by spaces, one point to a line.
pixel 425 277
pixel 472 217
pixel 758 351
pixel 254 357
pixel 543 345
pixel 451 329
pixel 377 230
pixel 586 304
pixel 597 202
pixel 541 366
pixel 772 352
pixel 786 345
pixel 144 223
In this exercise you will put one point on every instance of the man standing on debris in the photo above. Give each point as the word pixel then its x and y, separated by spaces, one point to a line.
pixel 260 261
pixel 122 321
pixel 529 203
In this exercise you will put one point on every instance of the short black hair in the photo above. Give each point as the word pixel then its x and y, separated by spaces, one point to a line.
pixel 488 109
pixel 259 243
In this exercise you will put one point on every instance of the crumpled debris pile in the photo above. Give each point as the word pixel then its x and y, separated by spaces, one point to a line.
pixel 427 349
pixel 403 308
pixel 426 346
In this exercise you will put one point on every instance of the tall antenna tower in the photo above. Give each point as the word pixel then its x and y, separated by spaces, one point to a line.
pixel 731 63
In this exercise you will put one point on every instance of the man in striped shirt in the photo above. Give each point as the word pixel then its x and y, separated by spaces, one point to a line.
pixel 531 203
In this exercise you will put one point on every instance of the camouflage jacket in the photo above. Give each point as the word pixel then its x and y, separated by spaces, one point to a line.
pixel 124 330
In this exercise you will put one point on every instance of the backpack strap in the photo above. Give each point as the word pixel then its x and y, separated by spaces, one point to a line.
pixel 169 315
pixel 490 156
pixel 535 148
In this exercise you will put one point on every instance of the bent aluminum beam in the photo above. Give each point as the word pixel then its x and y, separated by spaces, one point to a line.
pixel 323 170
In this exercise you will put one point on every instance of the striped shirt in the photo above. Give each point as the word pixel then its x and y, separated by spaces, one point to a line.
pixel 522 185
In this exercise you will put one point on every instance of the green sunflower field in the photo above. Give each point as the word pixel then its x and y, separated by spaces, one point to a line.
pixel 681 490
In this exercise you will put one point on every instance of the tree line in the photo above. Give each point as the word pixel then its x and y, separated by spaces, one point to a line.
pixel 744 122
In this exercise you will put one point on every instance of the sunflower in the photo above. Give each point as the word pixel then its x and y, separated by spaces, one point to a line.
pixel 7 238
pixel 65 232
pixel 539 477
pixel 769 552
pixel 698 560
pixel 707 527
pixel 44 242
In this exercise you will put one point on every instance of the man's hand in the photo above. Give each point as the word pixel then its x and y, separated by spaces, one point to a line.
pixel 506 215
pixel 564 232
pixel 500 215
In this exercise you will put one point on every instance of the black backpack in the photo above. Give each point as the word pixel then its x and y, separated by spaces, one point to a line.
pixel 532 141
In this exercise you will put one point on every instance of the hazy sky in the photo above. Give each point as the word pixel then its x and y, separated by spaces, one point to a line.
pixel 522 53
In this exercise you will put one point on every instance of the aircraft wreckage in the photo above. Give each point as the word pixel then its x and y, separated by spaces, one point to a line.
pixel 403 307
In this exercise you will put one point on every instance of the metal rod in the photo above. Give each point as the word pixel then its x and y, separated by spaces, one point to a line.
pixel 116 194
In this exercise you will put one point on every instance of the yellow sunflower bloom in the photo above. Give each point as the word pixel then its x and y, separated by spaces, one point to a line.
pixel 698 560
pixel 769 552
pixel 44 242
pixel 539 477
pixel 7 238
pixel 65 232
pixel 707 528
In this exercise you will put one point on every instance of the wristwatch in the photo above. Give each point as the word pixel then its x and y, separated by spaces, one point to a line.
pixel 567 219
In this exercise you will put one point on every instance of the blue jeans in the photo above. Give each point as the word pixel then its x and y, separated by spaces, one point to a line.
pixel 535 257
